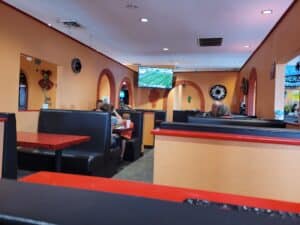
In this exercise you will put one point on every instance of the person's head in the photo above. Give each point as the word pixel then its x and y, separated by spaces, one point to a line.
pixel 215 107
pixel 223 110
pixel 107 108
pixel 99 104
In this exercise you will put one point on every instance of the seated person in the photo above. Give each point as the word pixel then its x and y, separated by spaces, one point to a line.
pixel 123 106
pixel 127 134
pixel 99 104
pixel 243 108
pixel 218 109
pixel 116 120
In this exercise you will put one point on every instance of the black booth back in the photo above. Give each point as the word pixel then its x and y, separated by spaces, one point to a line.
pixel 9 165
pixel 97 125
pixel 240 130
pixel 237 122
pixel 159 117
pixel 182 115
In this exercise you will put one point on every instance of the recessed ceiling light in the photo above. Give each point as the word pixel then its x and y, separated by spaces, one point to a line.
pixel 165 49
pixel 49 24
pixel 267 11
pixel 144 20
pixel 124 82
pixel 246 46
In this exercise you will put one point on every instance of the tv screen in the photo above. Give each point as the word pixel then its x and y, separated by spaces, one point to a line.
pixel 155 77
pixel 122 94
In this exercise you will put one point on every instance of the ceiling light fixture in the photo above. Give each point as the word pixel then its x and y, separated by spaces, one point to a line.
pixel 49 24
pixel 165 49
pixel 246 46
pixel 144 20
pixel 267 11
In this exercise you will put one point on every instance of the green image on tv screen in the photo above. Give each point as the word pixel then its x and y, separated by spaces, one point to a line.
pixel 155 77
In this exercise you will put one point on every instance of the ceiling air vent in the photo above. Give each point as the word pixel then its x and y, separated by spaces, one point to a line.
pixel 71 23
pixel 131 6
pixel 210 42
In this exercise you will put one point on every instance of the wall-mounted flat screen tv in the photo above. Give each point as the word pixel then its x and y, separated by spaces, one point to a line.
pixel 151 77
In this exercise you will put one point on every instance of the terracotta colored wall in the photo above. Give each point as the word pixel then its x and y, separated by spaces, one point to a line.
pixel 21 34
pixel 205 80
pixel 33 75
pixel 142 99
pixel 281 46
pixel 189 91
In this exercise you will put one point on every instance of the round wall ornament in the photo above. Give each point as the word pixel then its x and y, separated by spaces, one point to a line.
pixel 218 92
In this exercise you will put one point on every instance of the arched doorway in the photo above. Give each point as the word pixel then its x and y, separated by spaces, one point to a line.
pixel 23 92
pixel 185 95
pixel 106 89
pixel 125 92
pixel 252 93
pixel 291 88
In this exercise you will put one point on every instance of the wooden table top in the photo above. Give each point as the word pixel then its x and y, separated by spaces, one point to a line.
pixel 152 191
pixel 49 141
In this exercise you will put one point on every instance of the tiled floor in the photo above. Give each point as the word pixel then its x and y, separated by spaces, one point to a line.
pixel 140 170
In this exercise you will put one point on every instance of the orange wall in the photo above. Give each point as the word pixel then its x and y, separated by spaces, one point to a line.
pixel 22 34
pixel 33 76
pixel 205 80
pixel 281 46
pixel 237 167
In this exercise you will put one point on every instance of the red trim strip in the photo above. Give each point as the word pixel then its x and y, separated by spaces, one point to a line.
pixel 66 35
pixel 3 119
pixel 225 136
pixel 152 191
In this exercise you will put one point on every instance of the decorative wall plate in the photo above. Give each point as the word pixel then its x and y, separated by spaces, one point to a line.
pixel 76 65
pixel 218 92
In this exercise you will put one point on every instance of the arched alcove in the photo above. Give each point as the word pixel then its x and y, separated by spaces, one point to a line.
pixel 185 95
pixel 106 87
pixel 186 83
pixel 126 90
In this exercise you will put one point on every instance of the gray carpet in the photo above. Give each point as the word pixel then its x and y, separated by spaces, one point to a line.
pixel 140 170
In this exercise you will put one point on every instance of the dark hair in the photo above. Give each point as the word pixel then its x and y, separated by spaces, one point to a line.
pixel 107 107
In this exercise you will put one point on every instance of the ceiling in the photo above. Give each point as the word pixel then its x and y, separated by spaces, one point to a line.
pixel 114 29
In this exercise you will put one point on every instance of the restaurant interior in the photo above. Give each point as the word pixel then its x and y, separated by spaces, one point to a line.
pixel 150 112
